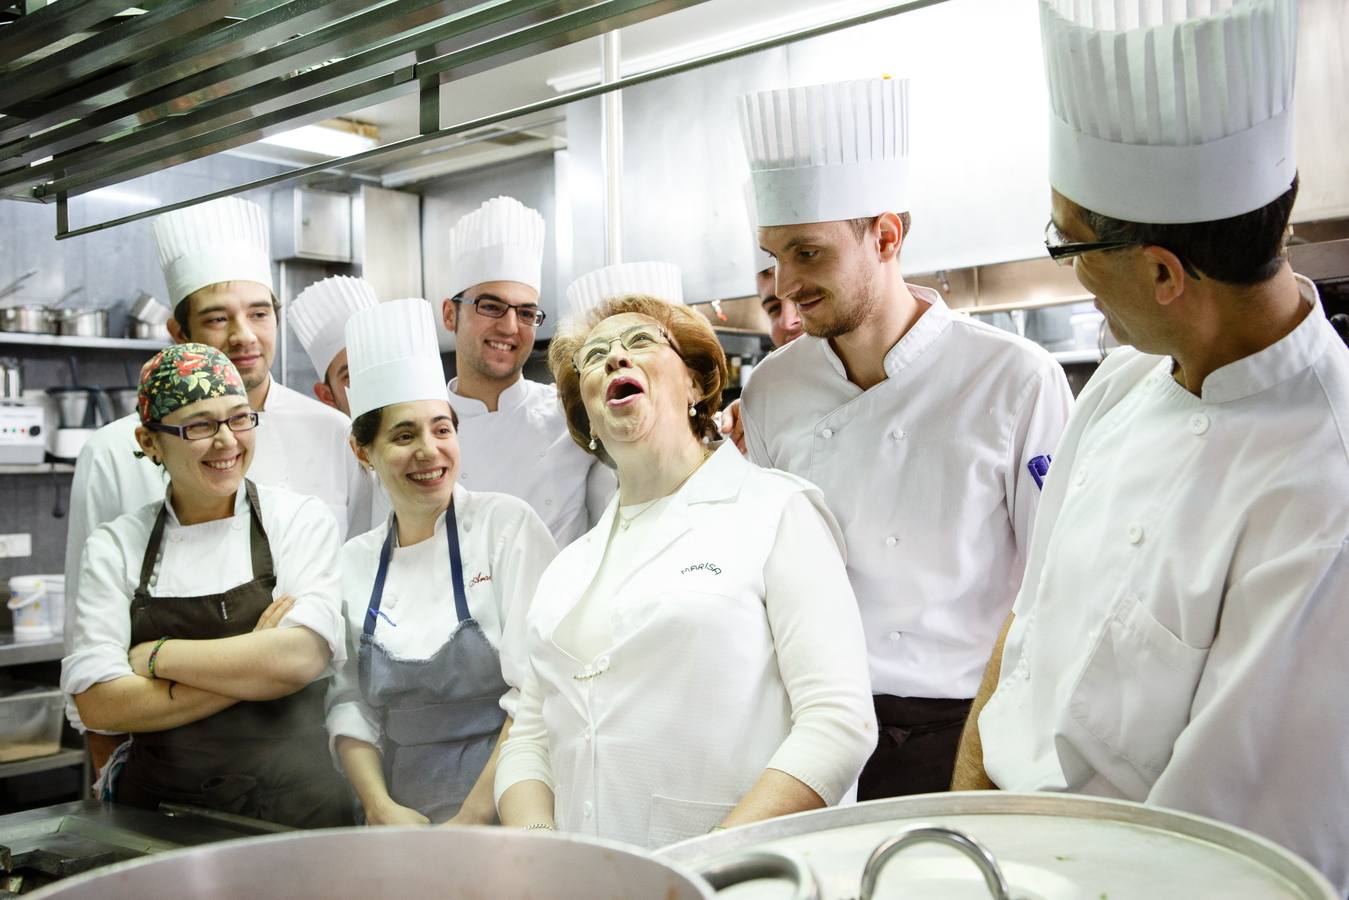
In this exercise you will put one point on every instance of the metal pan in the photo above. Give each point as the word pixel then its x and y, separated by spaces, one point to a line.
pixel 1041 846
pixel 420 864
pixel 28 319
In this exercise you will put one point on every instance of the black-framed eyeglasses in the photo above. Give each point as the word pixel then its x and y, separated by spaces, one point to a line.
pixel 496 308
pixel 207 428
pixel 1064 251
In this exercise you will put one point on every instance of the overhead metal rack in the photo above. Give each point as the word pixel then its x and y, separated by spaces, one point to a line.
pixel 93 93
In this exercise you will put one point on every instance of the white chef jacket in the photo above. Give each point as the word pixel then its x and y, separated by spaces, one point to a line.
pixel 504 547
pixel 301 445
pixel 524 449
pixel 197 560
pixel 927 473
pixel 1180 635
pixel 730 652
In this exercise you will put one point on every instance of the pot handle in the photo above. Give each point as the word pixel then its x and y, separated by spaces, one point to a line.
pixel 755 864
pixel 934 834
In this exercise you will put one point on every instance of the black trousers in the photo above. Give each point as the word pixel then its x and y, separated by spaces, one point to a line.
pixel 915 748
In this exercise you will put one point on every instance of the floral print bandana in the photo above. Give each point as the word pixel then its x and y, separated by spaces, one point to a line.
pixel 183 374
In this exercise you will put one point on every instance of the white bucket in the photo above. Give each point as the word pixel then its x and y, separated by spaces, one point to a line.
pixel 36 601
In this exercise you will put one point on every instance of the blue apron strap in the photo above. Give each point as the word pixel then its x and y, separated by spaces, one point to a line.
pixel 386 553
pixel 456 564
pixel 377 592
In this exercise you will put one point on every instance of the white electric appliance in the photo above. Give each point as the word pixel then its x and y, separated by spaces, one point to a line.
pixel 23 433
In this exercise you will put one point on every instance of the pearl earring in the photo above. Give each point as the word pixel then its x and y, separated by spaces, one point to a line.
pixel 693 411
pixel 594 444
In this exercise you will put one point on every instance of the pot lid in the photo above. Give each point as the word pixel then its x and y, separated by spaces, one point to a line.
pixel 1048 847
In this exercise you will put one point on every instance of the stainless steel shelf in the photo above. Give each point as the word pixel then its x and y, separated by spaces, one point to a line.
pixel 18 653
pixel 45 468
pixel 59 760
pixel 18 338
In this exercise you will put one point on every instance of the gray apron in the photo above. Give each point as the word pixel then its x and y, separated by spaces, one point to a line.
pixel 440 716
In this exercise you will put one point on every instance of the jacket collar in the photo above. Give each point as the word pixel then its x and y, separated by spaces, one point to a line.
pixel 930 325
pixel 1296 351
pixel 469 408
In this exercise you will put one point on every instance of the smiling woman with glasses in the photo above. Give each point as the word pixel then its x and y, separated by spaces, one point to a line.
pixel 205 622
pixel 696 659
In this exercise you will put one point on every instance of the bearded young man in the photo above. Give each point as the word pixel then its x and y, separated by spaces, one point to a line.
pixel 926 430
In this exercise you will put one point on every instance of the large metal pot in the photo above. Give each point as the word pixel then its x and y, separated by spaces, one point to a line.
pixel 29 319
pixel 416 863
pixel 145 308
pixel 84 322
pixel 1032 846
pixel 145 331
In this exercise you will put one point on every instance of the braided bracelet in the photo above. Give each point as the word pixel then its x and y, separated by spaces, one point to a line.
pixel 539 825
pixel 154 654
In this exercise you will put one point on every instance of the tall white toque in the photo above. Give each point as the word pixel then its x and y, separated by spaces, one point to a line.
pixel 763 260
pixel 502 240
pixel 1170 111
pixel 828 152
pixel 661 280
pixel 319 316
pixel 223 240
pixel 393 356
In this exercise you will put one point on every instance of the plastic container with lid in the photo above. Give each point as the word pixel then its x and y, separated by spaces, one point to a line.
pixel 37 603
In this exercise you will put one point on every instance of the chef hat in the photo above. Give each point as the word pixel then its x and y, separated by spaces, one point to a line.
pixel 502 240
pixel 828 152
pixel 762 258
pixel 223 240
pixel 319 316
pixel 393 356
pixel 655 279
pixel 1160 119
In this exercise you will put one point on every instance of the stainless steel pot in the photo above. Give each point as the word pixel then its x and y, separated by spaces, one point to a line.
pixel 78 406
pixel 417 863
pixel 30 319
pixel 11 379
pixel 84 323
pixel 1040 846
pixel 146 308
pixel 146 331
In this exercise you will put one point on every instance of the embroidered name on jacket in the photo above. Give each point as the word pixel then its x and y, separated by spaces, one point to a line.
pixel 702 566
pixel 480 578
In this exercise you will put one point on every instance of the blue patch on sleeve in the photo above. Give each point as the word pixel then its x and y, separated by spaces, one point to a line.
pixel 1039 468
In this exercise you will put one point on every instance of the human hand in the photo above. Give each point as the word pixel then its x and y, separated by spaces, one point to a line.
pixel 274 613
pixel 733 426
pixel 391 813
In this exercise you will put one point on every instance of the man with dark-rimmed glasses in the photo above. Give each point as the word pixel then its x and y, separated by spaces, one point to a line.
pixel 1178 635
pixel 511 430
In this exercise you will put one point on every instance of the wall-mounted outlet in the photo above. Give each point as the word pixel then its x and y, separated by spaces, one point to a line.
pixel 16 545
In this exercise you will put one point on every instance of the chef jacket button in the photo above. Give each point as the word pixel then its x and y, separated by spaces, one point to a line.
pixel 1135 533
pixel 892 541
pixel 602 664
pixel 587 809
pixel 899 434
pixel 1081 477
pixel 827 433
pixel 542 454
pixel 589 735
pixel 548 503
pixel 1199 423
pixel 894 635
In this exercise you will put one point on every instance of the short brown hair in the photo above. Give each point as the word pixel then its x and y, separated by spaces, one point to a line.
pixel 697 346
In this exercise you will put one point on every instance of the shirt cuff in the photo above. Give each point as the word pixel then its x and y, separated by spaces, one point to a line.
pixel 350 719
pixel 93 665
pixel 526 761
pixel 327 623
pixel 828 764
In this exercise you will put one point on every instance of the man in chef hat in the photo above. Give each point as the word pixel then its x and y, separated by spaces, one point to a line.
pixel 217 266
pixel 512 431
pixel 319 316
pixel 1179 634
pixel 922 427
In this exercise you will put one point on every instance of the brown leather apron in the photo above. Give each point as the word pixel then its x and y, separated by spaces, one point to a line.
pixel 267 760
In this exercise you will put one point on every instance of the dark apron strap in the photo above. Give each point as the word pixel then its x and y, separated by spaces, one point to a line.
pixel 386 553
pixel 259 548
